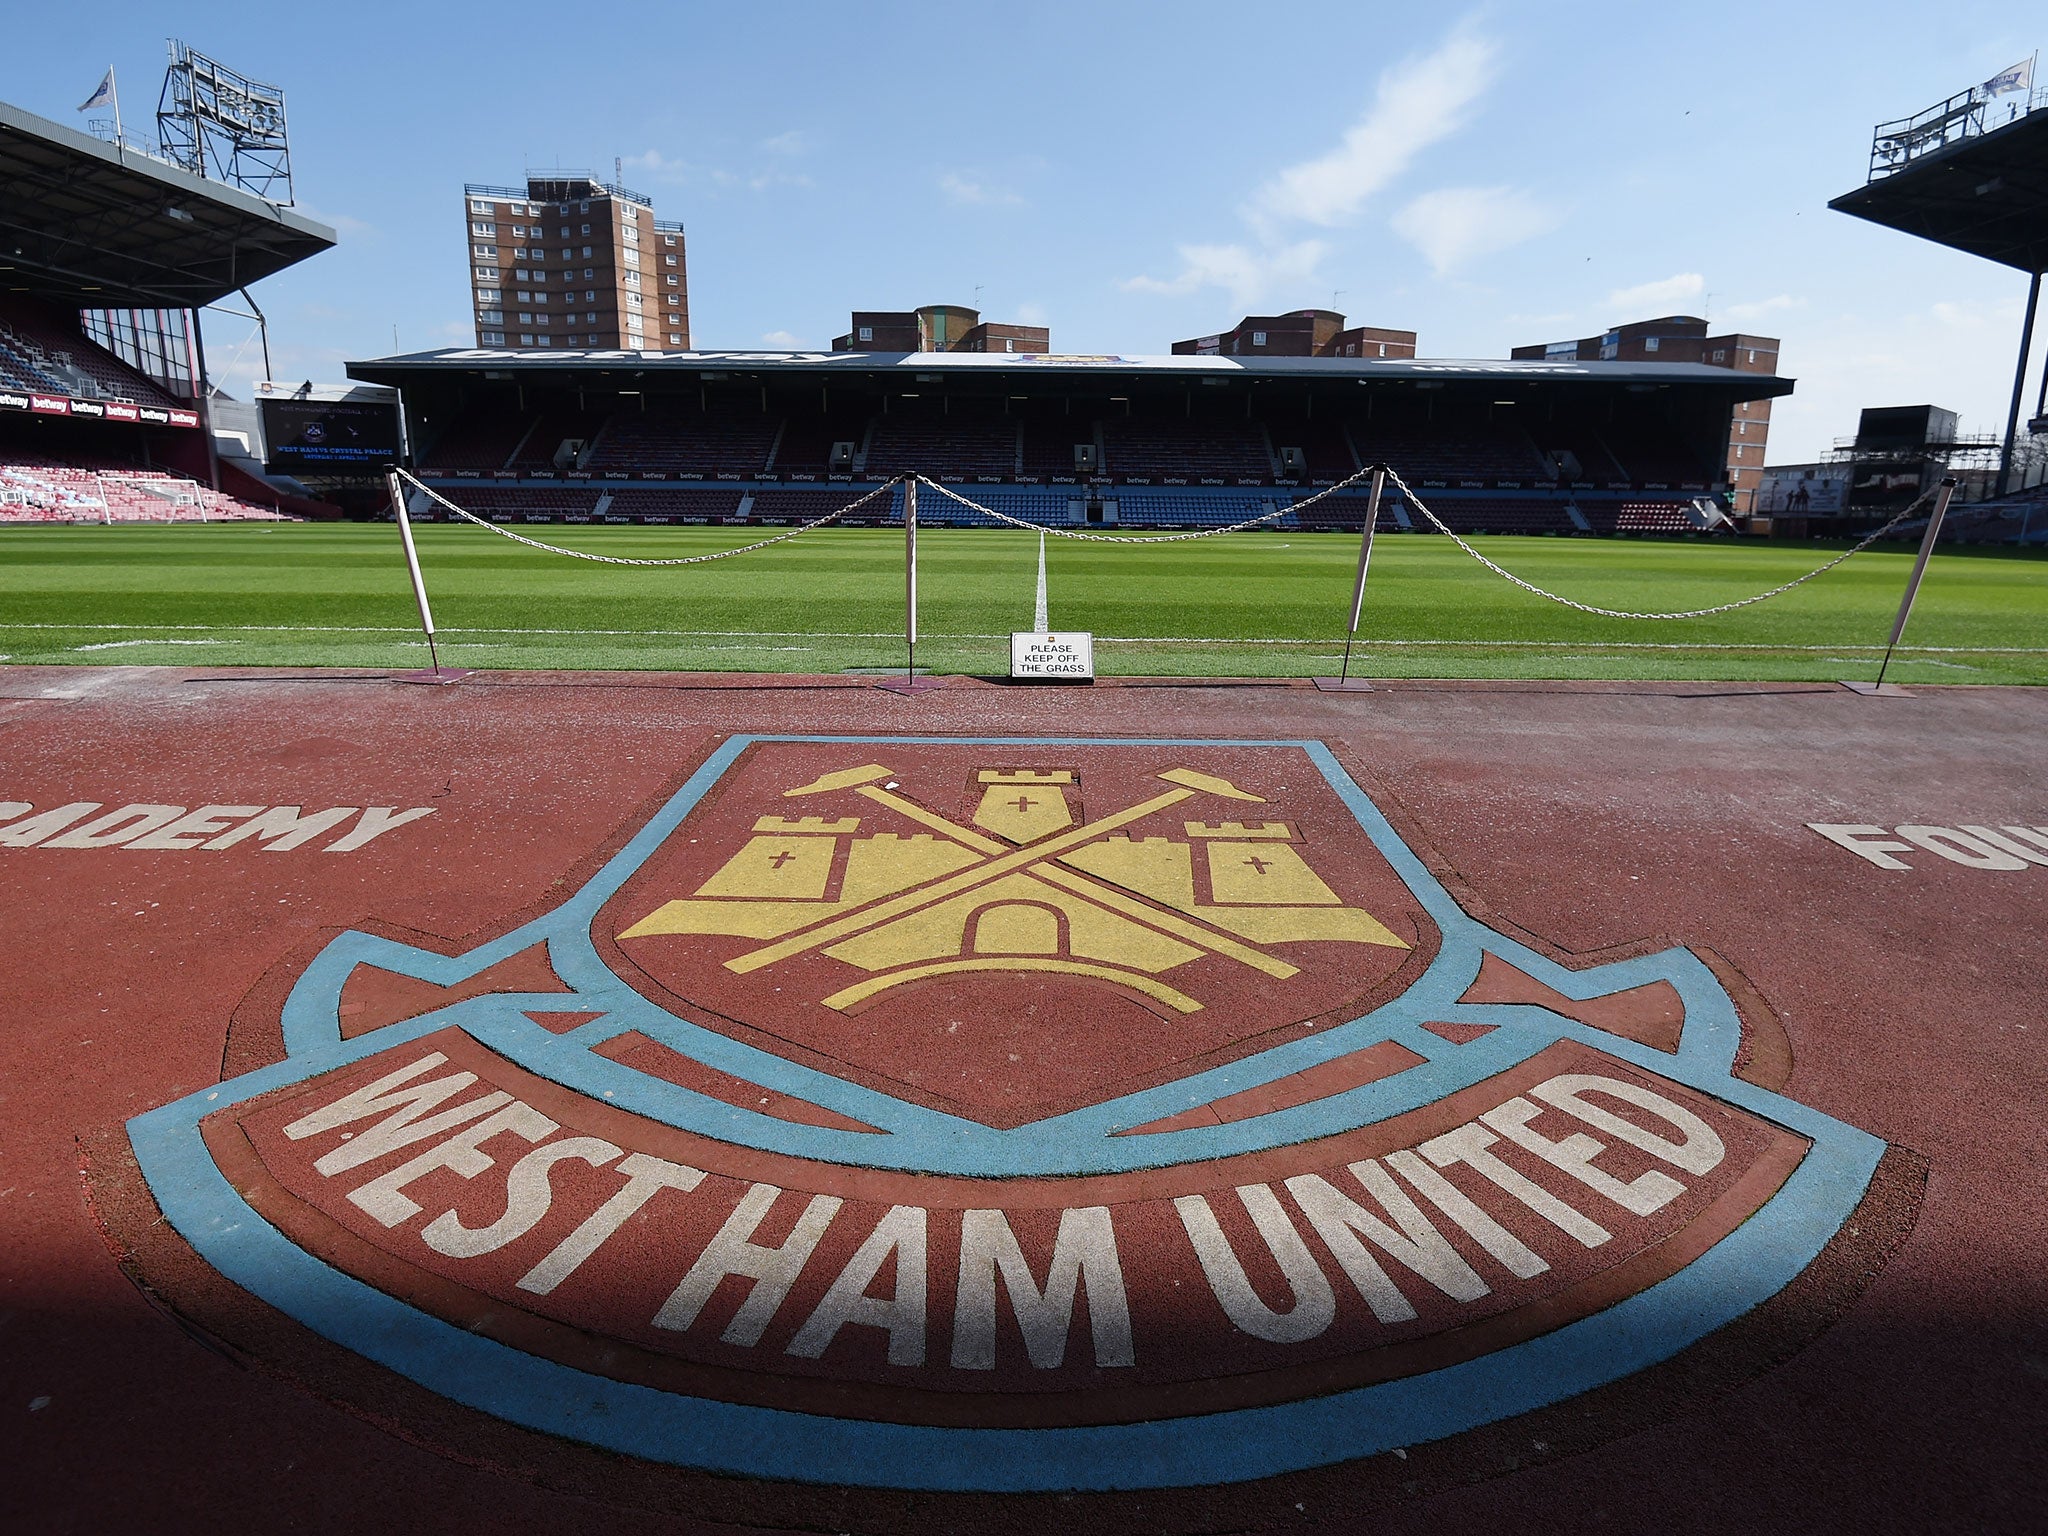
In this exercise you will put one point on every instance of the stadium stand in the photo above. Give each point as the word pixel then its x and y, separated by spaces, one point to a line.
pixel 770 506
pixel 108 491
pixel 686 442
pixel 478 439
pixel 1050 440
pixel 1499 514
pixel 1472 450
pixel 805 447
pixel 552 433
pixel 681 505
pixel 39 350
pixel 957 444
pixel 1325 445
pixel 1156 447
pixel 514 502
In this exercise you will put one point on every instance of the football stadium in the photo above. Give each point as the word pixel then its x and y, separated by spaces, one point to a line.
pixel 934 933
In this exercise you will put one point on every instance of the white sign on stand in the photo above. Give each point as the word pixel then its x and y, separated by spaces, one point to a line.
pixel 1063 657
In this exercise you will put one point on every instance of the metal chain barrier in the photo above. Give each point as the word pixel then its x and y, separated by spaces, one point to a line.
pixel 1141 538
pixel 1621 613
pixel 580 554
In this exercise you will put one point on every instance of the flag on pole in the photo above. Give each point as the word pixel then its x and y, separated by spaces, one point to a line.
pixel 2017 77
pixel 102 94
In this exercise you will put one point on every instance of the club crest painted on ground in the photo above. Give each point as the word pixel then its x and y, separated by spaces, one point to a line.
pixel 1006 1114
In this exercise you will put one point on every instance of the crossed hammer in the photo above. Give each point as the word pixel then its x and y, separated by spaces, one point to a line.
pixel 999 861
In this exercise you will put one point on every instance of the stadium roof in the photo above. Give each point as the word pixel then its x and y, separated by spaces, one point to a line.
pixel 85 223
pixel 1986 194
pixel 959 367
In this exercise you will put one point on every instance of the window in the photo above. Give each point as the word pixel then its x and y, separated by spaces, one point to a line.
pixel 867 333
pixel 1752 354
pixel 668 260
pixel 565 231
pixel 1383 349
pixel 668 239
pixel 540 319
pixel 632 258
pixel 1258 338
pixel 487 295
pixel 631 232
pixel 519 231
pixel 675 298
pixel 1650 343
pixel 586 229
pixel 567 254
pixel 632 301
pixel 484 250
pixel 522 274
pixel 525 297
pixel 481 205
pixel 589 251
pixel 487 274
pixel 482 227
pixel 492 338
pixel 672 281
pixel 591 318
pixel 526 319
pixel 674 340
pixel 546 341
pixel 1009 343
pixel 590 295
pixel 583 206
pixel 490 317
pixel 526 341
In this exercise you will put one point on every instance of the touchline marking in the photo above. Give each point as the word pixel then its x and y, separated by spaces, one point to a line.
pixel 867 634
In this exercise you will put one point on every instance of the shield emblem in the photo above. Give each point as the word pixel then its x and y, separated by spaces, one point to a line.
pixel 1006 1113
pixel 1007 934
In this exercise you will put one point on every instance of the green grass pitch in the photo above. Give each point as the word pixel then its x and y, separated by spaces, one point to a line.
pixel 1253 604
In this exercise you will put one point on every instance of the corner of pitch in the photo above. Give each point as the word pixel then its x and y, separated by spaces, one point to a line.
pixel 962 1114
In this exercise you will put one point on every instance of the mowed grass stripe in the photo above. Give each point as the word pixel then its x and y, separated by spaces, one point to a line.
pixel 1243 604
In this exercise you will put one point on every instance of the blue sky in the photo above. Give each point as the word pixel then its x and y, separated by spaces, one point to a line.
pixel 1131 173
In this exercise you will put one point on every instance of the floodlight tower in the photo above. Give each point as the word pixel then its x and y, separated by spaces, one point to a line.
pixel 1971 173
pixel 223 125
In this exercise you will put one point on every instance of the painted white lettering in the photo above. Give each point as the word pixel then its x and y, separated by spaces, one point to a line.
pixel 9 809
pixel 1701 1150
pixel 901 1233
pixel 1956 847
pixel 2008 840
pixel 403 1106
pixel 528 1194
pixel 1520 1260
pixel 645 1177
pixel 1084 1253
pixel 192 830
pixel 1866 842
pixel 2033 837
pixel 1468 1144
pixel 384 1197
pixel 376 821
pixel 731 1252
pixel 1340 1221
pixel 282 828
pixel 1574 1155
pixel 26 834
pixel 116 827
pixel 1315 1304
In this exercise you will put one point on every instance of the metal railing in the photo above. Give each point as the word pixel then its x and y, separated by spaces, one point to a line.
pixel 1965 115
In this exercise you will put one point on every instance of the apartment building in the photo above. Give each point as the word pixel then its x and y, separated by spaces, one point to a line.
pixel 570 262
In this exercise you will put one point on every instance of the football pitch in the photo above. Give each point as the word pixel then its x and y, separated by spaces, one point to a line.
pixel 1255 604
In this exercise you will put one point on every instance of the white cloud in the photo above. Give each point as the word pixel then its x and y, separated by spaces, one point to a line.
pixel 1248 274
pixel 653 165
pixel 1663 294
pixel 1031 314
pixel 790 143
pixel 969 192
pixel 1452 225
pixel 1762 308
pixel 1418 102
pixel 783 339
